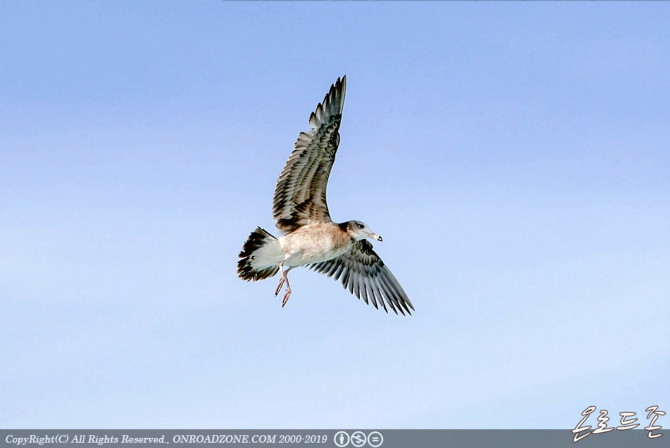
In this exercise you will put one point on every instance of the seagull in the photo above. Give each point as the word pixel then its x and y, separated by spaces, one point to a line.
pixel 310 238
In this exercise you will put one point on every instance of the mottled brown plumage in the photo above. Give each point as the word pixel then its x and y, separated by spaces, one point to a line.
pixel 311 238
pixel 300 195
pixel 367 277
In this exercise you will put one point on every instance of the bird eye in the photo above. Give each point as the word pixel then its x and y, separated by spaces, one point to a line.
pixel 360 225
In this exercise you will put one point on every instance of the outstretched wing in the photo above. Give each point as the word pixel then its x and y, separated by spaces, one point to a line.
pixel 366 276
pixel 300 195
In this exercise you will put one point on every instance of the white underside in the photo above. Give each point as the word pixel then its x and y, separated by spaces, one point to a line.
pixel 313 243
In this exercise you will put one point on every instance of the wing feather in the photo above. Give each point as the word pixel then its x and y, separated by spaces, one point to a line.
pixel 367 277
pixel 300 195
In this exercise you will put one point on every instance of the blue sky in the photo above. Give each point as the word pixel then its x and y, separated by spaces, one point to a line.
pixel 514 156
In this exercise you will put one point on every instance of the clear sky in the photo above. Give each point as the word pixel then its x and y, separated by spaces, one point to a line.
pixel 514 156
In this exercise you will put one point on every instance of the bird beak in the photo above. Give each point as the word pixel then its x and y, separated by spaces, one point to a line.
pixel 374 236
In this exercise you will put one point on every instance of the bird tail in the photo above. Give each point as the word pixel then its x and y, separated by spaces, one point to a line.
pixel 260 256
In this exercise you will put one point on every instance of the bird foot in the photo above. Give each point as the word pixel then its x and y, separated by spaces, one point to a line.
pixel 281 283
pixel 286 296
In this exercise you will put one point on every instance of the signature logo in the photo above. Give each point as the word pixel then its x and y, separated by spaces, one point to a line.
pixel 627 422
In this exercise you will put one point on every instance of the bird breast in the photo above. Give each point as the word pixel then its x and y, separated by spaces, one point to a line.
pixel 314 243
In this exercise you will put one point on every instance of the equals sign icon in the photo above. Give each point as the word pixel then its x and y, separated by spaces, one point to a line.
pixel 375 439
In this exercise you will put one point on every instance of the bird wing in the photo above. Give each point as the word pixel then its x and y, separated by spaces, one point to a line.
pixel 366 276
pixel 300 195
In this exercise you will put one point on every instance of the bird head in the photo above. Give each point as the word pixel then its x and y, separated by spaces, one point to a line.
pixel 359 230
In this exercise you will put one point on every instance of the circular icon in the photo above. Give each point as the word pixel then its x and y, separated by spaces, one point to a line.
pixel 358 439
pixel 375 439
pixel 341 439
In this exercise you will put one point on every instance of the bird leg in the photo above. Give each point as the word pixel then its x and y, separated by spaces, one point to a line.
pixel 284 278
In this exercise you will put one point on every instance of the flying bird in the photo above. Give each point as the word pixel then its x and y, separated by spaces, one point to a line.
pixel 311 238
